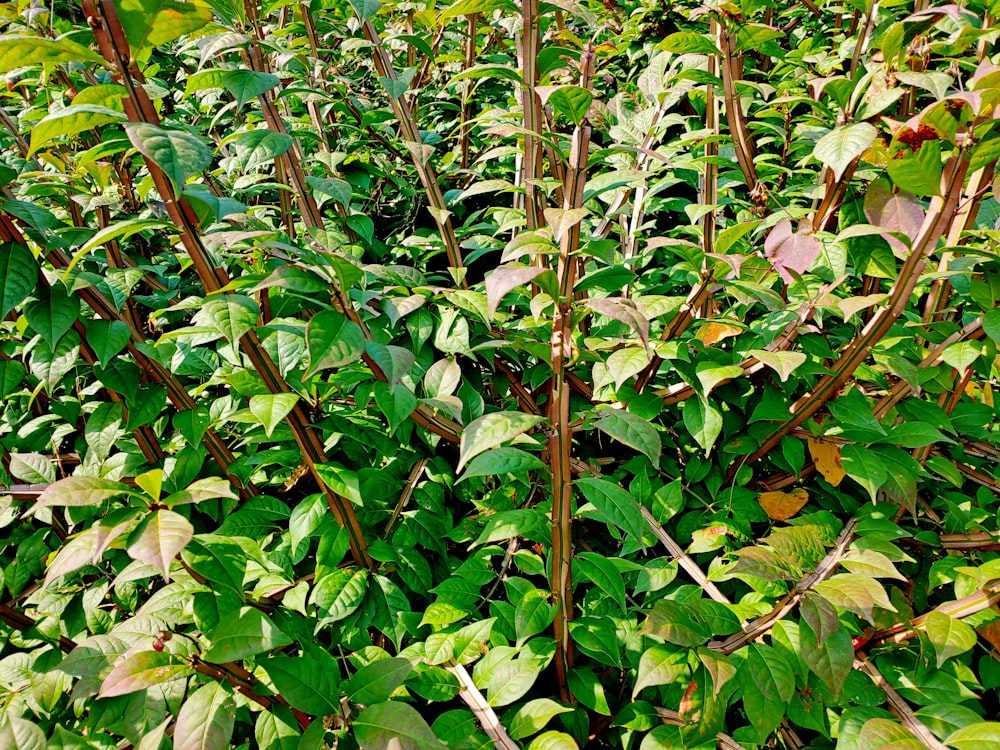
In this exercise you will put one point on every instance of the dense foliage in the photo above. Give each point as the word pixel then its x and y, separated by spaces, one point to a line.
pixel 533 375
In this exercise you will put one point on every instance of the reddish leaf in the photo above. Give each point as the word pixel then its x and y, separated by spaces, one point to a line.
pixel 897 212
pixel 504 279
pixel 790 251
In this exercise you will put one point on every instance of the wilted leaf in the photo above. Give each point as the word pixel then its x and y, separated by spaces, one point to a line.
pixel 826 456
pixel 780 506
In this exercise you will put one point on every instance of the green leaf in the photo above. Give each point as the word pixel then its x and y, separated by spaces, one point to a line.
pixel 160 538
pixel 178 153
pixel 511 679
pixel 237 637
pixel 277 729
pixel 339 593
pixel 917 172
pixel 691 623
pixel 201 490
pixel 533 716
pixel 885 734
pixel 710 374
pixel 783 363
pixel 659 665
pixel 258 148
pixel 18 272
pixel 104 429
pixel 615 504
pixel 119 230
pixel 769 685
pixel 32 468
pixel 491 430
pixel 572 102
pixel 396 402
pixel 340 190
pixel 365 8
pixel 526 522
pixel 991 324
pixel 553 740
pixel 949 636
pixel 533 614
pixel 141 670
pixel 231 315
pixel 332 341
pixel 342 481
pixel 19 734
pixel 375 682
pixel 855 593
pixel 914 435
pixel 703 421
pixel 151 23
pixel 270 409
pixel 631 430
pixel 248 84
pixel 626 363
pixel 71 121
pixel 983 735
pixel 962 354
pixel 689 42
pixel 20 51
pixel 864 467
pixel 11 374
pixel 842 145
pixel 207 718
pixel 305 683
pixel 52 312
pixel 393 725
pixel 603 573
pixel 830 660
pixel 504 460
pixel 80 492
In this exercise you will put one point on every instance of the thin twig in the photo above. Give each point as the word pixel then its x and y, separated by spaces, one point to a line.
pixel 482 710
pixel 897 705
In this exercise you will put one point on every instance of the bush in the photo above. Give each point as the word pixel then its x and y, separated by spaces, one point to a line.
pixel 543 375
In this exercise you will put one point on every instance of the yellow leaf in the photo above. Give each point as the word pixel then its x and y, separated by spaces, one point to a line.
pixel 780 506
pixel 713 333
pixel 826 456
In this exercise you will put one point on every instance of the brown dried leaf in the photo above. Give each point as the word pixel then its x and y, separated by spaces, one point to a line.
pixel 826 456
pixel 713 333
pixel 780 506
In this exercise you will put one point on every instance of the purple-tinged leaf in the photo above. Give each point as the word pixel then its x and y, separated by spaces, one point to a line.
pixel 505 279
pixel 142 670
pixel 898 212
pixel 80 492
pixel 623 311
pixel 790 251
pixel 159 538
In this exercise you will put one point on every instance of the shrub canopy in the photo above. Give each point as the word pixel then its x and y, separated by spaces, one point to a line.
pixel 540 375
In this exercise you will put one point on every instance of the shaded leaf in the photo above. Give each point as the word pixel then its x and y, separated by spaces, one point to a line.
pixel 237 637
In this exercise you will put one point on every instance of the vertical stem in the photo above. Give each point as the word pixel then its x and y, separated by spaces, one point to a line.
pixel 531 167
pixel 710 178
pixel 560 443
pixel 470 59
